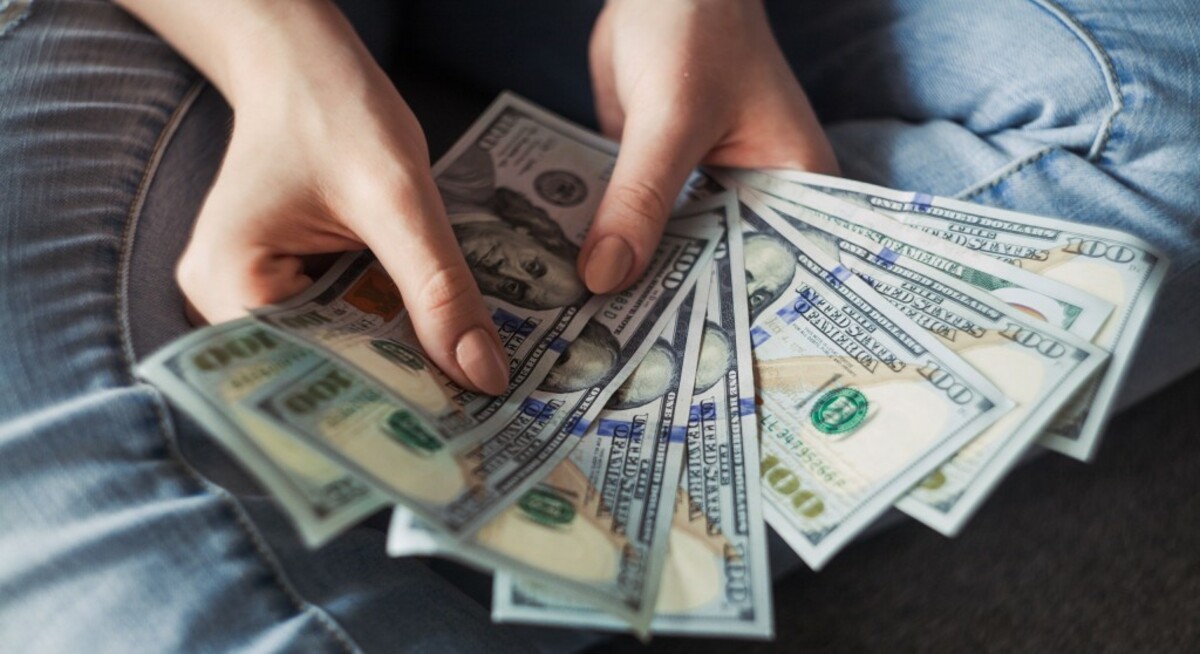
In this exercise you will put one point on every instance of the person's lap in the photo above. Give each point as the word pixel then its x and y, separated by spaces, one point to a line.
pixel 109 539
pixel 1061 108
pixel 122 525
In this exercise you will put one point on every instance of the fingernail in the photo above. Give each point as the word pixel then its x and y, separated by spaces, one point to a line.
pixel 608 264
pixel 481 359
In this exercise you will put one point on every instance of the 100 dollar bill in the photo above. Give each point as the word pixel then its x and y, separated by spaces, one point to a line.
pixel 456 483
pixel 717 578
pixel 1036 365
pixel 520 188
pixel 596 528
pixel 1060 304
pixel 1122 269
pixel 209 372
pixel 858 402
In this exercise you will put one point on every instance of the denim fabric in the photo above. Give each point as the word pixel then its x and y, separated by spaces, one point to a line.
pixel 122 528
pixel 110 541
pixel 1079 110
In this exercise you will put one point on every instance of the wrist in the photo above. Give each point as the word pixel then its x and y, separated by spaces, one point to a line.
pixel 288 43
pixel 247 49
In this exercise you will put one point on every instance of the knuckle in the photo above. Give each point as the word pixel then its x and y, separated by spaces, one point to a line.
pixel 254 296
pixel 639 202
pixel 256 290
pixel 448 293
pixel 189 273
pixel 218 284
pixel 195 281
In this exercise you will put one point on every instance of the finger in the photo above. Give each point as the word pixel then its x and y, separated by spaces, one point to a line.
pixel 658 152
pixel 225 283
pixel 244 255
pixel 779 131
pixel 409 232
pixel 223 272
pixel 604 83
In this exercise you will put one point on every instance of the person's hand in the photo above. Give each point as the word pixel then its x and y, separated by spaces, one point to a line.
pixel 325 156
pixel 681 82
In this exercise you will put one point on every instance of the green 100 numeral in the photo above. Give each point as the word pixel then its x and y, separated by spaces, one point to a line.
pixel 785 482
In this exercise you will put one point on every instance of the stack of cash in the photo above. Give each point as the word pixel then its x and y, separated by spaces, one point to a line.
pixel 804 352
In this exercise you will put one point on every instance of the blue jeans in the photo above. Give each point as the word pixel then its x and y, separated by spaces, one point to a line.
pixel 122 528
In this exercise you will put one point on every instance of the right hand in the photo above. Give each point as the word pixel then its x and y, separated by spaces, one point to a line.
pixel 680 83
pixel 325 157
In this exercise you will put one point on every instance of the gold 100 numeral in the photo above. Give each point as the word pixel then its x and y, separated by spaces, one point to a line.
pixel 804 502
pixel 1114 252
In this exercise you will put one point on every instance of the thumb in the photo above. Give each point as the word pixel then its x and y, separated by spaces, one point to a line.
pixel 658 152
pixel 409 233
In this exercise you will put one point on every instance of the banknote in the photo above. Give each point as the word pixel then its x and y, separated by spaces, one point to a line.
pixel 717 579
pixel 596 528
pixel 1058 303
pixel 1036 365
pixel 1117 267
pixel 520 188
pixel 208 372
pixel 858 402
pixel 457 483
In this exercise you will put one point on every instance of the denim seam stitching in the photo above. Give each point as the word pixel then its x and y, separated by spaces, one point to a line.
pixel 1003 174
pixel 165 426
pixel 268 558
pixel 133 218
pixel 1108 69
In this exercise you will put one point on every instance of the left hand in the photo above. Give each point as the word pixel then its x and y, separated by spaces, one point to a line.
pixel 679 83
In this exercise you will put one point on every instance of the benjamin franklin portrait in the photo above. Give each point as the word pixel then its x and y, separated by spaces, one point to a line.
pixel 716 356
pixel 587 362
pixel 515 250
pixel 654 377
pixel 770 266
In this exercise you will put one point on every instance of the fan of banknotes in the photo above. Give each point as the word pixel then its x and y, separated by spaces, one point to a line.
pixel 804 350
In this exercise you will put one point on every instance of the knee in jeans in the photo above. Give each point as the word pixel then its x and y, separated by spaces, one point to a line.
pixel 1051 83
pixel 12 12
